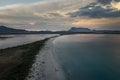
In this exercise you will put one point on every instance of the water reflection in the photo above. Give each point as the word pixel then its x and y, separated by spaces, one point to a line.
pixel 3 37
pixel 14 40
pixel 89 56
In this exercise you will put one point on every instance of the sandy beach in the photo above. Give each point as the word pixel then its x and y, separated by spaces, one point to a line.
pixel 15 62
pixel 46 66
pixel 34 61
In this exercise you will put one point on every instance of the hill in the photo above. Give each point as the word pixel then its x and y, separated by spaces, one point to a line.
pixel 7 30
pixel 79 29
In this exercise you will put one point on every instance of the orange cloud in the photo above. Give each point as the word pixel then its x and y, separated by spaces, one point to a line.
pixel 32 23
pixel 95 22
pixel 116 5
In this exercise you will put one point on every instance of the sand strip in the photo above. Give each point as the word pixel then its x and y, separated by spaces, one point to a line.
pixel 46 67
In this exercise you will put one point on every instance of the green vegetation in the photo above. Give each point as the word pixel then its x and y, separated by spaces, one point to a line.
pixel 24 60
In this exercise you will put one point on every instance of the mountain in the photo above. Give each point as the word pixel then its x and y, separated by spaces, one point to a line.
pixel 75 29
pixel 6 30
pixel 91 31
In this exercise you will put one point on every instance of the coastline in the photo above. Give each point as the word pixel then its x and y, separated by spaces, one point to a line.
pixel 15 62
pixel 46 66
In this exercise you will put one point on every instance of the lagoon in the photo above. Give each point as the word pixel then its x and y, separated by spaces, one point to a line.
pixel 15 40
pixel 89 56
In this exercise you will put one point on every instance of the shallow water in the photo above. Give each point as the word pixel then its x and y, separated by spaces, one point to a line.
pixel 14 40
pixel 89 56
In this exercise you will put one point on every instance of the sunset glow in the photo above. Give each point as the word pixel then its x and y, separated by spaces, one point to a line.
pixel 60 14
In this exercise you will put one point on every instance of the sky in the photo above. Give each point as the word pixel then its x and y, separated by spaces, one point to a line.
pixel 60 14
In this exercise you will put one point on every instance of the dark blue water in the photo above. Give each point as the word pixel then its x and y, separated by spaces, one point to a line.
pixel 89 56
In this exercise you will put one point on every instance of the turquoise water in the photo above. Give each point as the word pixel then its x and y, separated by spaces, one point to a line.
pixel 89 56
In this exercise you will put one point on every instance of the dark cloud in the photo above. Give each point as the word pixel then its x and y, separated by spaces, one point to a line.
pixel 106 1
pixel 96 11
pixel 55 14
pixel 117 0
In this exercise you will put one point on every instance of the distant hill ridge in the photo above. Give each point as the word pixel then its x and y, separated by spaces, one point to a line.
pixel 79 29
pixel 7 30
pixel 4 29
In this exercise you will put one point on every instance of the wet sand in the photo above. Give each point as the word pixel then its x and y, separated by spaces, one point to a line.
pixel 46 66
pixel 16 62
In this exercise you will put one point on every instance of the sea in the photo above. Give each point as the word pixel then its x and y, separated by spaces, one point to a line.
pixel 81 56
pixel 89 56
pixel 16 40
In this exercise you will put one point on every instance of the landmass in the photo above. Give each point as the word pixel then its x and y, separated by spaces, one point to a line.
pixel 15 62
pixel 74 30
pixel 33 61
pixel 46 66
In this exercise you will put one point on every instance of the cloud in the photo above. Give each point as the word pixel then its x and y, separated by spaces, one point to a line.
pixel 53 14
pixel 95 22
pixel 43 13
pixel 116 5
pixel 95 10
pixel 106 1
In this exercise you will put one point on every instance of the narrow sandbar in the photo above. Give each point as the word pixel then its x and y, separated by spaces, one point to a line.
pixel 46 66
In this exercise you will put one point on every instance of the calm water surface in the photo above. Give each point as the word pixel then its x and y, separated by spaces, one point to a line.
pixel 89 56
pixel 14 40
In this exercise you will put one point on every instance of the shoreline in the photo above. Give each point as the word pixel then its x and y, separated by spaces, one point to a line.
pixel 15 62
pixel 46 66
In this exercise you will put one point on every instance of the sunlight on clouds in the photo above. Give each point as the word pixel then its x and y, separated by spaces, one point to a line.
pixel 52 14
pixel 32 23
pixel 90 22
pixel 116 5
pixel 46 13
pixel 87 22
